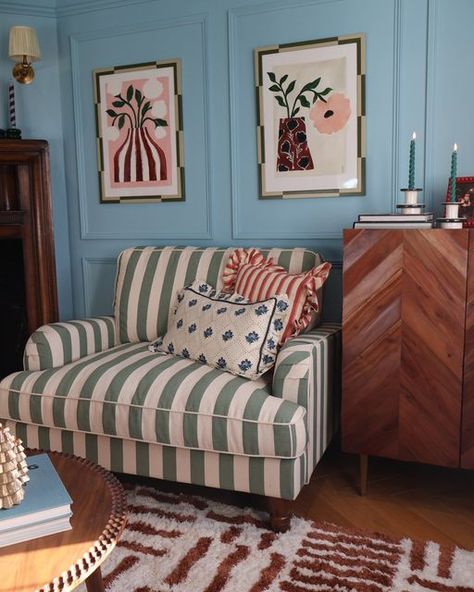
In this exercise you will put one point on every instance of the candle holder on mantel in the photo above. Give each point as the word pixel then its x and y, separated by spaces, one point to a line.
pixel 451 219
pixel 410 203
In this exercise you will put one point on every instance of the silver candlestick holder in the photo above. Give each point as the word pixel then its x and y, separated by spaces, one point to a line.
pixel 451 219
pixel 410 203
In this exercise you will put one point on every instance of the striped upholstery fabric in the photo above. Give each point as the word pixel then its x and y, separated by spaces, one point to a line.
pixel 264 476
pixel 307 372
pixel 132 393
pixel 56 344
pixel 148 279
pixel 252 276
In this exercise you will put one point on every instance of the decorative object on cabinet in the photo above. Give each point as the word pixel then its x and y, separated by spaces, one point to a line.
pixel 408 345
pixel 139 132
pixel 464 193
pixel 23 48
pixel 451 205
pixel 12 132
pixel 410 203
pixel 28 296
pixel 311 117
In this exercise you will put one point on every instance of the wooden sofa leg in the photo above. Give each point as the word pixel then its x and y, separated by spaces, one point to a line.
pixel 364 470
pixel 280 513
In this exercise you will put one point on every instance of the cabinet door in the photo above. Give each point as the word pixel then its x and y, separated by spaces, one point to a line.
pixel 403 332
pixel 467 451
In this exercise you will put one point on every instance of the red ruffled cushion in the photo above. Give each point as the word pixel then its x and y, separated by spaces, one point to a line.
pixel 252 276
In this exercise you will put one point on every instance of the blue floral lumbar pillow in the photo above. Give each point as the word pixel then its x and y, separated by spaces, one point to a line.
pixel 224 330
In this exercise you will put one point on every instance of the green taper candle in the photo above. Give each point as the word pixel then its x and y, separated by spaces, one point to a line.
pixel 454 168
pixel 411 167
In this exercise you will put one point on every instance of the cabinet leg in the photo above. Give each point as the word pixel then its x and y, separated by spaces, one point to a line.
pixel 95 583
pixel 364 469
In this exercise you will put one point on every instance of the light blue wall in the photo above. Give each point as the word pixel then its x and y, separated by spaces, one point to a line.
pixel 39 117
pixel 418 78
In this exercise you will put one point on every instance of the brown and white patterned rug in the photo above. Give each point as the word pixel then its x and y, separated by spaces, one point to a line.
pixel 184 543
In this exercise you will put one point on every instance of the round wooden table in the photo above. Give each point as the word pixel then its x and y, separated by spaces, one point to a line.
pixel 62 561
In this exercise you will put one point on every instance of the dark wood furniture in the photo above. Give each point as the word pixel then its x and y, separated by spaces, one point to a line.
pixel 408 346
pixel 26 228
pixel 64 560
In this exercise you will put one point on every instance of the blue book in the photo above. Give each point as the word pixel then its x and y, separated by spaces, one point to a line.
pixel 45 499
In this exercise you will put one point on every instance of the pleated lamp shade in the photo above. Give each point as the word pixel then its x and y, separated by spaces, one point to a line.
pixel 23 42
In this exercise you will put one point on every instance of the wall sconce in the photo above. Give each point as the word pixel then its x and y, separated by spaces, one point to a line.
pixel 23 48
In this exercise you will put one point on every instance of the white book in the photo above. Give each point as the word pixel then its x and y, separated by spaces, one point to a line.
pixel 393 225
pixel 395 217
pixel 35 531
pixel 45 496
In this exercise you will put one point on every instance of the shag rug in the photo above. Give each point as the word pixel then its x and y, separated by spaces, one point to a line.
pixel 183 543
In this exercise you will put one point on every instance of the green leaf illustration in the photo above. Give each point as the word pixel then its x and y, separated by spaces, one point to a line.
pixel 283 79
pixel 138 97
pixel 129 93
pixel 296 111
pixel 121 121
pixel 271 76
pixel 146 107
pixel 325 92
pixel 160 122
pixel 280 101
pixel 290 87
pixel 275 88
pixel 118 104
pixel 111 112
pixel 304 101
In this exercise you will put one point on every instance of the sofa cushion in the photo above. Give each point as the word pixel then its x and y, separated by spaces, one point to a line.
pixel 133 393
pixel 148 279
pixel 225 331
pixel 248 273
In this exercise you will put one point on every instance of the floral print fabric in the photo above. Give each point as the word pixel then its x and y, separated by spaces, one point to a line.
pixel 225 331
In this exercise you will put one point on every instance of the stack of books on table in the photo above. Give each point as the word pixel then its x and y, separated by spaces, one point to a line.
pixel 401 221
pixel 45 509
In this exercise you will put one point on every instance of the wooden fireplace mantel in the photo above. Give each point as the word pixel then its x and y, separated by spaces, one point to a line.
pixel 25 214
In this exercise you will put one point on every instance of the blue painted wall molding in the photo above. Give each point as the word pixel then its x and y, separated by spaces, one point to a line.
pixel 239 20
pixel 45 8
pixel 84 195
pixel 98 302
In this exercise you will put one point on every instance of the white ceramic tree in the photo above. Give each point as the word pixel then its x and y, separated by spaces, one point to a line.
pixel 13 469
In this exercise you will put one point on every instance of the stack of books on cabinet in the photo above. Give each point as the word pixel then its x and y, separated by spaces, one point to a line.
pixel 390 221
pixel 45 509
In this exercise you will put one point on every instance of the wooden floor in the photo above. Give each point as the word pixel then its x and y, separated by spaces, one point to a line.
pixel 404 499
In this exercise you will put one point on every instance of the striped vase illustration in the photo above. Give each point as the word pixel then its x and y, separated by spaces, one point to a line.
pixel 139 158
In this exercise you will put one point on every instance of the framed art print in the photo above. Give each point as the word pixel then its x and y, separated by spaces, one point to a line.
pixel 465 198
pixel 311 118
pixel 139 132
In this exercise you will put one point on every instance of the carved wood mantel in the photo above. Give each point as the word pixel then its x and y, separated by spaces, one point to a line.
pixel 25 214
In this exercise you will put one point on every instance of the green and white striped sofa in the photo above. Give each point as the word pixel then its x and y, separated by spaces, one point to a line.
pixel 93 388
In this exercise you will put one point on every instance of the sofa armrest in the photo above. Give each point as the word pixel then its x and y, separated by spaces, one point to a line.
pixel 308 372
pixel 57 344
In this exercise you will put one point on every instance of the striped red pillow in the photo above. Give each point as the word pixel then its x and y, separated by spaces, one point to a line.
pixel 252 276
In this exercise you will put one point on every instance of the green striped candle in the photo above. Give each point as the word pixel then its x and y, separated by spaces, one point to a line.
pixel 411 167
pixel 454 168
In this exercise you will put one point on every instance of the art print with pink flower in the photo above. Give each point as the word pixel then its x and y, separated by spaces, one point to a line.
pixel 311 118
pixel 139 132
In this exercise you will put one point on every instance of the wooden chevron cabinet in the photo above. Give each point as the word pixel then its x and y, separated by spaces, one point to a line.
pixel 408 345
